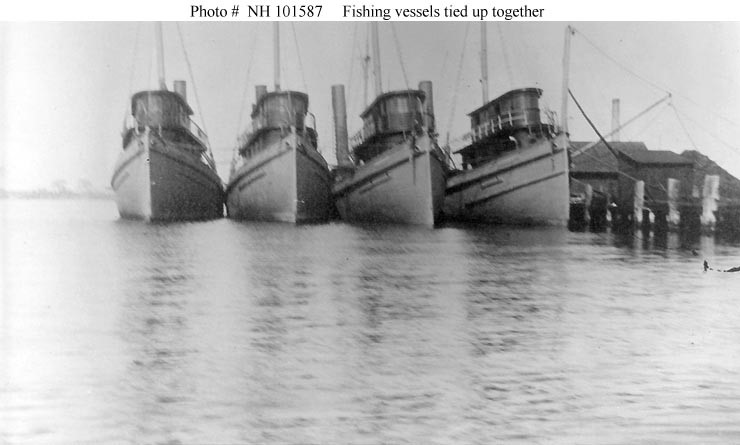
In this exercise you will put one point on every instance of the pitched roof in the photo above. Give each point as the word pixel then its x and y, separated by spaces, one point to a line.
pixel 661 157
pixel 729 186
pixel 599 159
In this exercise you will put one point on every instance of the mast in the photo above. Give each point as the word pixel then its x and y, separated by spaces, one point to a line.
pixel 615 119
pixel 484 61
pixel 365 67
pixel 339 106
pixel 276 53
pixel 376 59
pixel 619 127
pixel 159 48
pixel 566 69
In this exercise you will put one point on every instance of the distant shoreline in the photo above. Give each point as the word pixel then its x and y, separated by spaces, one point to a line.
pixel 46 194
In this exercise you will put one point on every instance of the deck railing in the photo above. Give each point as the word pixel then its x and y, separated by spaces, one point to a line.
pixel 501 122
pixel 199 133
pixel 130 122
pixel 255 125
pixel 357 139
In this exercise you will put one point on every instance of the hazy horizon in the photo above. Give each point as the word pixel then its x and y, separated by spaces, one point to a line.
pixel 67 85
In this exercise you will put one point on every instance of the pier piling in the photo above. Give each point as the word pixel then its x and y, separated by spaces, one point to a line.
pixel 710 198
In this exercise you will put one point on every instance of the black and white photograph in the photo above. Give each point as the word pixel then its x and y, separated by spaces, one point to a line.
pixel 497 230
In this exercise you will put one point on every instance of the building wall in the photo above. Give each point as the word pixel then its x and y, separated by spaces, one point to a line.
pixel 606 185
pixel 655 177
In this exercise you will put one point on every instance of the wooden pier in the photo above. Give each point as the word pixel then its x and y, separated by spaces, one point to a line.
pixel 633 189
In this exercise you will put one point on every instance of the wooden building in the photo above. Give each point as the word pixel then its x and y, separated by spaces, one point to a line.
pixel 654 168
pixel 598 167
pixel 613 176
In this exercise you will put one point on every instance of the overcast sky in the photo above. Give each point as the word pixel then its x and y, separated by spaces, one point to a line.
pixel 66 86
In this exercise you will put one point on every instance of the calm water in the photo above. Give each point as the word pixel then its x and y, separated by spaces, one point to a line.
pixel 224 332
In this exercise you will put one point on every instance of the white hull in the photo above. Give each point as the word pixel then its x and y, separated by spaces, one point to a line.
pixel 281 183
pixel 131 181
pixel 404 185
pixel 157 180
pixel 526 186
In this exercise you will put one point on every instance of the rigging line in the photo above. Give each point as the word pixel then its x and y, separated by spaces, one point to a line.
pixel 352 56
pixel 624 125
pixel 444 64
pixel 300 60
pixel 686 130
pixel 192 78
pixel 133 59
pixel 152 56
pixel 348 98
pixel 127 109
pixel 734 149
pixel 726 119
pixel 601 138
pixel 706 108
pixel 654 84
pixel 621 173
pixel 400 56
pixel 243 105
pixel 619 64
pixel 639 132
pixel 348 91
pixel 507 64
pixel 359 101
pixel 366 65
pixel 612 150
pixel 457 81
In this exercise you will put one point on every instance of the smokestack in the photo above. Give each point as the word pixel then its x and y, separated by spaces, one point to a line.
pixel 181 88
pixel 426 87
pixel 259 91
pixel 340 125
pixel 615 119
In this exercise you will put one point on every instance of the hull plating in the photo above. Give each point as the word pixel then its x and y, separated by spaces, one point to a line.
pixel 403 185
pixel 157 180
pixel 281 183
pixel 528 186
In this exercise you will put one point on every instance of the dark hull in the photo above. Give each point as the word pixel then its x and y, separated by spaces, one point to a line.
pixel 159 180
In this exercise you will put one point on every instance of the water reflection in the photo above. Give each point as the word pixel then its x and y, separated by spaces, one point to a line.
pixel 225 332
pixel 157 300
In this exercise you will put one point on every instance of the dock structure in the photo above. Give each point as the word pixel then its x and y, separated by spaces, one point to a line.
pixel 654 191
pixel 720 196
pixel 728 220
pixel 651 170
pixel 631 187
pixel 597 169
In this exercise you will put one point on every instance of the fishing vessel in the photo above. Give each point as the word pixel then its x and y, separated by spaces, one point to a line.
pixel 277 173
pixel 166 170
pixel 397 173
pixel 515 170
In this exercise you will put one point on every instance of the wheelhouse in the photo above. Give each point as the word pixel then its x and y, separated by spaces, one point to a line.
pixel 166 111
pixel 500 125
pixel 274 113
pixel 514 110
pixel 160 108
pixel 280 109
pixel 391 114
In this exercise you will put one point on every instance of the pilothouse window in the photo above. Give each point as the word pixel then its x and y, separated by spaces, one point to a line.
pixel 400 105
